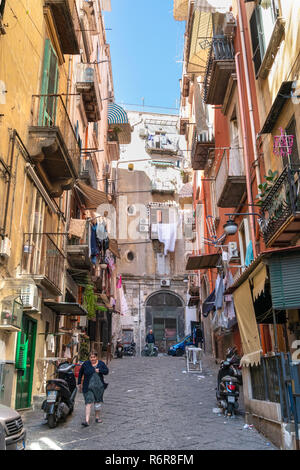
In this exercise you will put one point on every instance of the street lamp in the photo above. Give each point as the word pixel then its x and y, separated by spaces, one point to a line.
pixel 230 227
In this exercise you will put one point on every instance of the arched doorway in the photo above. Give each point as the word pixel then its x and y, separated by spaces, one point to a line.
pixel 165 315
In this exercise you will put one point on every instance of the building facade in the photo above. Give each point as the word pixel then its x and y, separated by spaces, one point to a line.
pixel 239 113
pixel 57 289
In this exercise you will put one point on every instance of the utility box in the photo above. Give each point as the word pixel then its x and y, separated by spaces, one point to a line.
pixel 7 369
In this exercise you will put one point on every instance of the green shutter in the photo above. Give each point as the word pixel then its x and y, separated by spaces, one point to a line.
pixel 21 352
pixel 257 38
pixel 285 281
pixel 49 87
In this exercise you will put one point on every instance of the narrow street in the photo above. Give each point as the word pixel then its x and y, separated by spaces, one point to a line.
pixel 150 404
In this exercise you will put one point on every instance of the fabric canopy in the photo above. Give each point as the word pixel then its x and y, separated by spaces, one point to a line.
pixel 247 325
pixel 77 228
pixel 92 197
pixel 259 279
pixel 180 11
pixel 118 119
pixel 113 246
pixel 202 261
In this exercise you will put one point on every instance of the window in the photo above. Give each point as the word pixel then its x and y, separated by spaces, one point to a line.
pixel 262 23
pixel 291 130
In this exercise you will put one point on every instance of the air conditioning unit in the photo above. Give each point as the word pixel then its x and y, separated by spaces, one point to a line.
pixel 30 298
pixel 143 228
pixel 143 221
pixel 5 247
pixel 229 25
pixel 165 283
pixel 232 250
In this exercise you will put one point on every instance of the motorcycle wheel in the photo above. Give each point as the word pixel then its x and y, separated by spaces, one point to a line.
pixel 230 408
pixel 144 354
pixel 155 353
pixel 52 422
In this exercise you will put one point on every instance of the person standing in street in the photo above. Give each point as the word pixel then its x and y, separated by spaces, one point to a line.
pixel 93 385
pixel 150 340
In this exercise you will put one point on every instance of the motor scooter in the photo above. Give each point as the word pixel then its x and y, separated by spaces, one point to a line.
pixel 60 394
pixel 129 349
pixel 146 351
pixel 119 349
pixel 228 394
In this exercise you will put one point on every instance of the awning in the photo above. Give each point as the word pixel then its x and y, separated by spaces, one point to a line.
pixel 202 32
pixel 66 308
pixel 247 325
pixel 202 262
pixel 92 197
pixel 278 104
pixel 259 279
pixel 118 119
pixel 180 11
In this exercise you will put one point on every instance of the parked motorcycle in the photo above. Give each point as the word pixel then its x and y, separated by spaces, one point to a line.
pixel 229 379
pixel 129 349
pixel 146 351
pixel 119 349
pixel 60 393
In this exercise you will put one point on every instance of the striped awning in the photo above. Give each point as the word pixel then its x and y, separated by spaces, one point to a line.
pixel 118 120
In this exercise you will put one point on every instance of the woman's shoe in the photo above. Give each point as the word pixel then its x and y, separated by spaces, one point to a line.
pixel 97 420
pixel 85 424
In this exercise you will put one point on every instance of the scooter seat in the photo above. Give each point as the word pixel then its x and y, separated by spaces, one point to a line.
pixel 59 382
pixel 228 378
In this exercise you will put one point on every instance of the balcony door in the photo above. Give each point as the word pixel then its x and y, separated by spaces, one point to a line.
pixel 47 113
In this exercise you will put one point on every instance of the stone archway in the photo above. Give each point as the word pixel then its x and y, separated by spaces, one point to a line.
pixel 165 316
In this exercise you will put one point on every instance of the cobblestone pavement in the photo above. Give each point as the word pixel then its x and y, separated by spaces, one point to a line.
pixel 150 404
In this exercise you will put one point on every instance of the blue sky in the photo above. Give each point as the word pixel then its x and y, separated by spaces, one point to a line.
pixel 146 49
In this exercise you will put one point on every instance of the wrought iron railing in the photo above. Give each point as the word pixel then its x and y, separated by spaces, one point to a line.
pixel 50 112
pixel 221 50
pixel 282 202
pixel 42 257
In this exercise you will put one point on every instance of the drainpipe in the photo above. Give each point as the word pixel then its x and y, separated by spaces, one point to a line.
pixel 246 154
pixel 249 98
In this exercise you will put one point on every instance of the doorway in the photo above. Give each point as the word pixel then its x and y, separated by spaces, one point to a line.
pixel 26 341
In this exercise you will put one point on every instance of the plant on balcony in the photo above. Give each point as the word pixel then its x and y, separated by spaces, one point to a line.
pixel 266 186
pixel 90 301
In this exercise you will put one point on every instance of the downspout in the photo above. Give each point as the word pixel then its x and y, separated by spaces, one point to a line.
pixel 13 140
pixel 246 154
pixel 249 98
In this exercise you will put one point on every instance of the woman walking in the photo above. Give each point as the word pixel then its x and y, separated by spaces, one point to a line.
pixel 93 385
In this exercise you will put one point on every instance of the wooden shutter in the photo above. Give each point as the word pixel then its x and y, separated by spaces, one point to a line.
pixel 291 130
pixel 257 38
pixel 49 86
pixel 21 352
pixel 2 6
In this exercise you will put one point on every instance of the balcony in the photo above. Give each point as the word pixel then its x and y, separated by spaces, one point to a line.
pixel 53 145
pixel 88 85
pixel 280 211
pixel 230 179
pixel 78 251
pixel 113 149
pixel 162 145
pixel 87 172
pixel 203 145
pixel 64 14
pixel 220 66
pixel 43 261
pixel 165 187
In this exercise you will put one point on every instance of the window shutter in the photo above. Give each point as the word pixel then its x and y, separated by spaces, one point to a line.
pixel 21 352
pixel 49 86
pixel 291 130
pixel 257 38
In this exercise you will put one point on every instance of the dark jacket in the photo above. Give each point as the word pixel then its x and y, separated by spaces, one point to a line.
pixel 87 370
pixel 150 338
